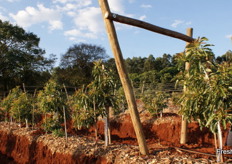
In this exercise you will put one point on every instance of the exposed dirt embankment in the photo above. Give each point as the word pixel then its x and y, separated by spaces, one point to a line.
pixel 165 130
pixel 24 146
pixel 21 145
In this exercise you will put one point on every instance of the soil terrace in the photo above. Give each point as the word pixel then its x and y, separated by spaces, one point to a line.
pixel 21 145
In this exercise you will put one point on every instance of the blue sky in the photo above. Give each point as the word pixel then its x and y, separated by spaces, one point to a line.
pixel 62 23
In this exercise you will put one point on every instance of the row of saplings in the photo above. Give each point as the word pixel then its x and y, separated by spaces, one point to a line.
pixel 55 105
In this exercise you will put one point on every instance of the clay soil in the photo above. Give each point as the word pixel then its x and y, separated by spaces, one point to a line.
pixel 29 146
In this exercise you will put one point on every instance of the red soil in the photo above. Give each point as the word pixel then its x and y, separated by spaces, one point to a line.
pixel 164 131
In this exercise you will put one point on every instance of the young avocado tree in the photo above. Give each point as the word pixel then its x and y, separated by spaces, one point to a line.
pixel 51 101
pixel 22 108
pixel 208 96
pixel 156 103
pixel 81 108
pixel 94 100
pixel 17 105
pixel 6 103
pixel 102 91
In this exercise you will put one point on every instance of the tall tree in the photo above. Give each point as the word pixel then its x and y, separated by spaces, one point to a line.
pixel 77 63
pixel 135 65
pixel 149 63
pixel 227 57
pixel 20 55
pixel 166 60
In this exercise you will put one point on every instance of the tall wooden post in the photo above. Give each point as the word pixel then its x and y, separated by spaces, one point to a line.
pixel 184 124
pixel 124 78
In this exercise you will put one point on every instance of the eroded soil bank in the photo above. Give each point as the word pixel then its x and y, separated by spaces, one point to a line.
pixel 21 145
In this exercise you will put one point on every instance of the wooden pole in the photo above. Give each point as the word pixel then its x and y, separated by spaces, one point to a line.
pixel 148 26
pixel 184 124
pixel 124 78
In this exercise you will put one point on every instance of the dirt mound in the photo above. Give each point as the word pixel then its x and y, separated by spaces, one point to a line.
pixel 165 130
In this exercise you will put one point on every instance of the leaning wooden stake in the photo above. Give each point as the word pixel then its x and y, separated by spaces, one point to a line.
pixel 124 78
pixel 184 124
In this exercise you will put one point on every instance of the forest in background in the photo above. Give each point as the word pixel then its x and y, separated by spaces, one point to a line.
pixel 23 62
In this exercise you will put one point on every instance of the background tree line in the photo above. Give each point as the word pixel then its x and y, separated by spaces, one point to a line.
pixel 22 61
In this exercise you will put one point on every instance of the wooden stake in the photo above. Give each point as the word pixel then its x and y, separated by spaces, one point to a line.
pixel 147 26
pixel 65 125
pixel 184 124
pixel 124 78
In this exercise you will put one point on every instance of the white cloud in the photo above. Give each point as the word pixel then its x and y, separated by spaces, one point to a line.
pixel 78 35
pixel 31 16
pixel 89 19
pixel 177 23
pixel 69 6
pixel 86 20
pixel 60 1
pixel 3 18
pixel 55 25
pixel 188 23
pixel 71 13
pixel 11 1
pixel 143 17
pixel 229 36
pixel 88 24
pixel 77 3
pixel 146 6
pixel 116 6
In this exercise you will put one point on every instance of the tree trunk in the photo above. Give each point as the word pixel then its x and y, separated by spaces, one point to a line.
pixel 107 128
pixel 109 131
pixel 229 138
pixel 124 78
pixel 20 125
pixel 215 141
pixel 26 120
pixel 142 89
pixel 95 121
pixel 46 131
pixel 183 133
pixel 106 132
pixel 219 155
pixel 11 120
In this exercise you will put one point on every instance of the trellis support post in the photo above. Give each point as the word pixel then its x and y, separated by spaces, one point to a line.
pixel 184 124
pixel 123 74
